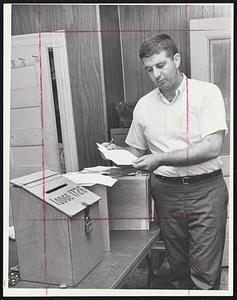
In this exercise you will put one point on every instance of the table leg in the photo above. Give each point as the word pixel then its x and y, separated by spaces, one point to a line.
pixel 150 269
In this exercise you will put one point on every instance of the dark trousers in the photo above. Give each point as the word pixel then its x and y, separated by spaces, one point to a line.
pixel 193 221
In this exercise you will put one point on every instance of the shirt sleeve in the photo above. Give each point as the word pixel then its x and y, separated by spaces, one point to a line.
pixel 213 117
pixel 135 137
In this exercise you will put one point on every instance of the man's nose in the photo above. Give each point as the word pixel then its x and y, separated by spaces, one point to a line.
pixel 156 72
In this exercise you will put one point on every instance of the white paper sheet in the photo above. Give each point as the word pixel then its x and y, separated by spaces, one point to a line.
pixel 119 156
pixel 90 178
pixel 100 169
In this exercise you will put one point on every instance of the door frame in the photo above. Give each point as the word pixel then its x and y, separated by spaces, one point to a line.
pixel 57 41
pixel 207 28
pixel 204 30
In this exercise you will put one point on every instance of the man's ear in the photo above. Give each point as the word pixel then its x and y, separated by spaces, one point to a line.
pixel 177 60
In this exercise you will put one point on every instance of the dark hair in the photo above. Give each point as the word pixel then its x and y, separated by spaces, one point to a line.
pixel 156 44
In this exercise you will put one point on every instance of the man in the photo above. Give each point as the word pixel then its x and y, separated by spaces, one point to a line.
pixel 177 131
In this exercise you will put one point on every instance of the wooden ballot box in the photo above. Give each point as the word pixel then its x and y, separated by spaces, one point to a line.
pixel 57 233
pixel 129 202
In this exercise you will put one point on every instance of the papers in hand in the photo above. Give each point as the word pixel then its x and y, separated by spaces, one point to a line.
pixel 118 156
pixel 90 179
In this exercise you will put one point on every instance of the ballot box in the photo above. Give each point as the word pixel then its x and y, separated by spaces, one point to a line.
pixel 56 226
pixel 129 202
pixel 99 189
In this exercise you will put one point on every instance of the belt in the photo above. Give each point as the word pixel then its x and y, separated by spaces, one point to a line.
pixel 189 179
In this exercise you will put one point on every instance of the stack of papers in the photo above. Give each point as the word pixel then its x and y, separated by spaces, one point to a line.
pixel 87 179
pixel 100 169
pixel 119 156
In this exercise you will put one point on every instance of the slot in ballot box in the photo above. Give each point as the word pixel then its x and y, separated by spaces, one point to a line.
pixel 57 233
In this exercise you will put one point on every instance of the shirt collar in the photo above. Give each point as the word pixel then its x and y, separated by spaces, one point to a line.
pixel 178 92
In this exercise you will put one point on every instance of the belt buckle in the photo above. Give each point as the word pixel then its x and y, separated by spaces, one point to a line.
pixel 183 179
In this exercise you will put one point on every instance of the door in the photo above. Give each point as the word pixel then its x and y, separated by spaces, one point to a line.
pixel 41 117
pixel 211 61
pixel 42 133
pixel 33 131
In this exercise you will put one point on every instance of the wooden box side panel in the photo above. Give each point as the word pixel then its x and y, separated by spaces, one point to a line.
pixel 86 248
pixel 42 237
pixel 128 203
pixel 101 191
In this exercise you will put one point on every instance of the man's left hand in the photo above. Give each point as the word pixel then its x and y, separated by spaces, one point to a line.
pixel 147 163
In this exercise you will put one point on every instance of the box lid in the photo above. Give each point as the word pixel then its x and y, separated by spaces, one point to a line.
pixel 19 181
pixel 57 191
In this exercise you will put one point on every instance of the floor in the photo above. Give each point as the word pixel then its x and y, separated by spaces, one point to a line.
pixel 160 280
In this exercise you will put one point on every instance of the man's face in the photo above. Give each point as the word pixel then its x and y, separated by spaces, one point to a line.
pixel 162 70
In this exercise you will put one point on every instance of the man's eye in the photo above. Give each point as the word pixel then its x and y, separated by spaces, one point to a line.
pixel 149 70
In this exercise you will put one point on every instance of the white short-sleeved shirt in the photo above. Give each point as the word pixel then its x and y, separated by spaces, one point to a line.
pixel 160 126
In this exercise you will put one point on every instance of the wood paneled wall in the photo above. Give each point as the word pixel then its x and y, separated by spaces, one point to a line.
pixel 139 22
pixel 84 67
